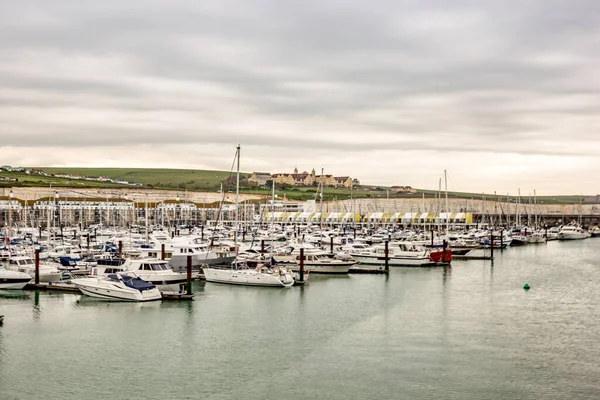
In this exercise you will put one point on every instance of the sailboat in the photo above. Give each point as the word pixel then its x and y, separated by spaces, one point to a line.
pixel 239 273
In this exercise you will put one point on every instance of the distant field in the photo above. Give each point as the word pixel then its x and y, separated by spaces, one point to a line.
pixel 159 178
pixel 210 181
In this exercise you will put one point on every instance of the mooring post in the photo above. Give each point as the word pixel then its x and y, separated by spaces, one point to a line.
pixel 502 239
pixel 244 235
pixel 88 242
pixel 301 264
pixel 120 248
pixel 37 266
pixel 162 251
pixel 492 245
pixel 202 233
pixel 74 234
pixel 189 275
pixel 262 246
pixel 432 238
pixel 331 244
pixel 387 257
pixel 172 234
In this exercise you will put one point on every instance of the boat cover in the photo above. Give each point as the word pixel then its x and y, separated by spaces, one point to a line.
pixel 137 283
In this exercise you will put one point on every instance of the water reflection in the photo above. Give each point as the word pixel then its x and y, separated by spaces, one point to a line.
pixel 37 309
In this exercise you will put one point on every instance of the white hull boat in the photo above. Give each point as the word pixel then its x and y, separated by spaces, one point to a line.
pixel 47 273
pixel 250 277
pixel 572 233
pixel 118 287
pixel 13 279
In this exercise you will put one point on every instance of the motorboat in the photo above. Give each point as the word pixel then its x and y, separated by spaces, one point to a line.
pixel 156 272
pixel 401 254
pixel 118 287
pixel 594 231
pixel 315 261
pixel 241 274
pixel 572 232
pixel 536 238
pixel 47 273
pixel 13 279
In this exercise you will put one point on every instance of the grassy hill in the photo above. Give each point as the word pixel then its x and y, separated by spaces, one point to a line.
pixel 159 178
pixel 210 181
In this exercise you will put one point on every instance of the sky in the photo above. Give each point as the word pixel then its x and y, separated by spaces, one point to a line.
pixel 501 94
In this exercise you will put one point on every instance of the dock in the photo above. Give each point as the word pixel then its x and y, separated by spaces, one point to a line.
pixel 55 287
pixel 177 296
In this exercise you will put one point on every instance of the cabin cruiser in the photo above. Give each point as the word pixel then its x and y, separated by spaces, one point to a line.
pixel 572 232
pixel 156 272
pixel 242 274
pixel 400 254
pixel 202 254
pixel 118 287
pixel 536 237
pixel 315 261
pixel 47 273
pixel 13 279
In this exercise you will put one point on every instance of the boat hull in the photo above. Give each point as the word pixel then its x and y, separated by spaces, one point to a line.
pixel 115 293
pixel 246 278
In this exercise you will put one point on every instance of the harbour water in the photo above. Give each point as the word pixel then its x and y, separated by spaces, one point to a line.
pixel 465 332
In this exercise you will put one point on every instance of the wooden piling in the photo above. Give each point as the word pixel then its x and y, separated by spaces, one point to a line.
pixel 120 248
pixel 189 275
pixel 432 238
pixel 492 245
pixel 301 264
pixel 387 256
pixel 331 244
pixel 37 266
pixel 502 239
pixel 262 246
pixel 162 251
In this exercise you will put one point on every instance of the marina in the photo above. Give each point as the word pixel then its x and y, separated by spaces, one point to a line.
pixel 468 331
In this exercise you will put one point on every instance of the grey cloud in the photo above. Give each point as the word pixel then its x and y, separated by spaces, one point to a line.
pixel 455 78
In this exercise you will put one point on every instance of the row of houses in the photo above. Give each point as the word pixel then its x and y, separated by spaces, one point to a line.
pixel 302 179
pixel 376 217
pixel 35 171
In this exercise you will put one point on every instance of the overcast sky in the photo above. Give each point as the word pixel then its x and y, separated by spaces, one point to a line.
pixel 502 94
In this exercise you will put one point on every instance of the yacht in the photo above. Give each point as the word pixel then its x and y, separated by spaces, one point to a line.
pixel 118 287
pixel 156 272
pixel 47 273
pixel 400 254
pixel 241 274
pixel 536 238
pixel 13 279
pixel 572 232
pixel 315 261
pixel 594 231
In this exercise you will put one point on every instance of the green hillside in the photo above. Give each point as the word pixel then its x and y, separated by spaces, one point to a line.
pixel 159 178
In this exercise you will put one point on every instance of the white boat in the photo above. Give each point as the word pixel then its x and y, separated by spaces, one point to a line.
pixel 400 254
pixel 240 274
pixel 13 279
pixel 315 261
pixel 47 273
pixel 572 232
pixel 156 272
pixel 536 238
pixel 118 287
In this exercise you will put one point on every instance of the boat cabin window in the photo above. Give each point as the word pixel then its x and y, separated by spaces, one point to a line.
pixel 146 267
pixel 159 267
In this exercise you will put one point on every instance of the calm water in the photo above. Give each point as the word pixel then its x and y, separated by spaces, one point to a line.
pixel 469 332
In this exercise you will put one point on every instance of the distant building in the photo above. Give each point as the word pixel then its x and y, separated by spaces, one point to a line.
pixel 259 178
pixel 343 181
pixel 306 179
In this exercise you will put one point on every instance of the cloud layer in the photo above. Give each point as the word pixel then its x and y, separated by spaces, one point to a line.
pixel 502 95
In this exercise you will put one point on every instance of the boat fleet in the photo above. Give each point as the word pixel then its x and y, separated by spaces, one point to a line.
pixel 122 264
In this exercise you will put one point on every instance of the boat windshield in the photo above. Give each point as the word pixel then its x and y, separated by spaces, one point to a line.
pixel 159 267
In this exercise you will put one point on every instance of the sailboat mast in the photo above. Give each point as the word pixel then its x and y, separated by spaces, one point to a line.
pixel 447 211
pixel 237 200
pixel 321 202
